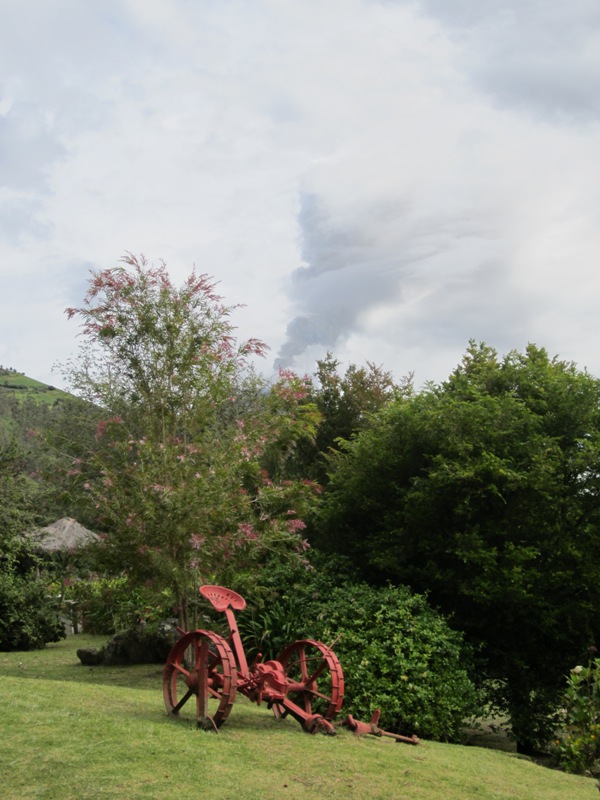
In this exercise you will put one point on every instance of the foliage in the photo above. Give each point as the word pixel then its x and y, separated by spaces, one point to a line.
pixel 29 617
pixel 281 597
pixel 578 750
pixel 26 406
pixel 29 612
pixel 345 402
pixel 109 605
pixel 175 471
pixel 483 491
pixel 48 428
pixel 18 494
pixel 398 655
pixel 37 420
pixel 396 652
pixel 67 435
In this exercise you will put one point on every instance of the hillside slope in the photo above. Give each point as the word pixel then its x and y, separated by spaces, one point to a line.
pixel 20 386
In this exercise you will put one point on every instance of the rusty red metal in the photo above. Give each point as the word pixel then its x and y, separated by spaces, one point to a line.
pixel 372 729
pixel 305 682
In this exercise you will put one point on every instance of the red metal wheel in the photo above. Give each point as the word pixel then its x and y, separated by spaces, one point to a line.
pixel 315 678
pixel 201 668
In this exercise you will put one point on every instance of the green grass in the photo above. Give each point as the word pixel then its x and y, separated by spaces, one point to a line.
pixel 22 387
pixel 71 732
pixel 17 380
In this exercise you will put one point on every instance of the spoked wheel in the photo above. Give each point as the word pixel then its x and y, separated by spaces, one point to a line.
pixel 315 678
pixel 199 679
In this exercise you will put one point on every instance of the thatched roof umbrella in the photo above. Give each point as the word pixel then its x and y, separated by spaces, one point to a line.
pixel 64 534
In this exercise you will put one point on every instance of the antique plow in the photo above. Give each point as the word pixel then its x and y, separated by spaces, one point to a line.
pixel 206 670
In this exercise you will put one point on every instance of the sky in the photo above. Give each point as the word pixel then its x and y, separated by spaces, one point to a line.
pixel 381 179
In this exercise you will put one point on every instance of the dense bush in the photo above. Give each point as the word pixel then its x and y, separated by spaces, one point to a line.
pixel 398 655
pixel 396 652
pixel 283 597
pixel 29 618
pixel 109 605
pixel 29 615
pixel 578 749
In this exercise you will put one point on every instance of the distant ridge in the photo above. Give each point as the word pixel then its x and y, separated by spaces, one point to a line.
pixel 22 386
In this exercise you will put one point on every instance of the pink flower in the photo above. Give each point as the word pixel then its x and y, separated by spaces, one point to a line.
pixel 248 530
pixel 197 541
pixel 104 423
pixel 295 525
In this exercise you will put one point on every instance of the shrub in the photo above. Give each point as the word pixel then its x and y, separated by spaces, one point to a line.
pixel 578 749
pixel 283 597
pixel 399 655
pixel 396 652
pixel 29 618
pixel 110 605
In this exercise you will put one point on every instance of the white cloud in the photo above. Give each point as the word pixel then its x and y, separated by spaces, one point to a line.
pixel 382 179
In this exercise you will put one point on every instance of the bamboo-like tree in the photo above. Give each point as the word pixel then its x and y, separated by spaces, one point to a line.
pixel 175 472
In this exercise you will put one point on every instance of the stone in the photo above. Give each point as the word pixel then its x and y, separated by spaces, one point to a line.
pixel 90 656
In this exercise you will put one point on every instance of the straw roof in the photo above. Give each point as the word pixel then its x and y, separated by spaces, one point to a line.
pixel 64 534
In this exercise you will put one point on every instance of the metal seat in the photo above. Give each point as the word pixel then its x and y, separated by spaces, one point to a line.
pixel 221 598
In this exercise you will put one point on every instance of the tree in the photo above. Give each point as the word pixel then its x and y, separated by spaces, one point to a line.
pixel 175 472
pixel 483 492
pixel 345 402
pixel 29 617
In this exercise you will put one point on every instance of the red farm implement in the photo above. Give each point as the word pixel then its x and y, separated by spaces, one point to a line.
pixel 204 671
pixel 207 670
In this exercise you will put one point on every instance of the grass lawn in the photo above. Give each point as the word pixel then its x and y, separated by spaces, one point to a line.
pixel 71 733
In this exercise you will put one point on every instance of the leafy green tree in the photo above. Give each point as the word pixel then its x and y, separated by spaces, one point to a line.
pixel 345 402
pixel 175 472
pixel 17 493
pixel 483 492
pixel 29 617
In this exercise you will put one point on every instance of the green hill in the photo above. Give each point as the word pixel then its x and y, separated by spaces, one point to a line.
pixel 19 386
pixel 28 405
